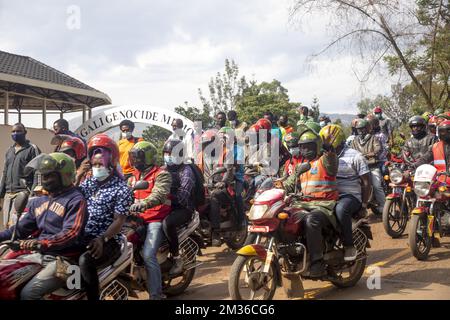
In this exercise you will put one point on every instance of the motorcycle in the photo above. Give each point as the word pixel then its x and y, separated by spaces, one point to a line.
pixel 400 202
pixel 430 219
pixel 232 233
pixel 279 256
pixel 189 245
pixel 16 271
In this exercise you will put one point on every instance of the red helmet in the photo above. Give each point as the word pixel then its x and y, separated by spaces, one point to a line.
pixel 377 109
pixel 262 124
pixel 75 144
pixel 104 141
pixel 445 124
pixel 209 135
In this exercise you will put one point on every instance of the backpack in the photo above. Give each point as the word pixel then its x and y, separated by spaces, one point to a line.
pixel 199 188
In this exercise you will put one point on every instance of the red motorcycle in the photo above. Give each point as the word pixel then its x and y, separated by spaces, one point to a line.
pixel 430 219
pixel 400 201
pixel 16 269
pixel 279 256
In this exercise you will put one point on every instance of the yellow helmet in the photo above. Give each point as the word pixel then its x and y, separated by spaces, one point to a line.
pixel 333 135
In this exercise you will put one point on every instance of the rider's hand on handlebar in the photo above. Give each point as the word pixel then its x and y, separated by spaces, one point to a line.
pixel 278 184
pixel 138 207
pixel 28 244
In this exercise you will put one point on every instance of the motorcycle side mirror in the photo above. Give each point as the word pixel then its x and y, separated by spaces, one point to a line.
pixel 141 185
pixel 302 168
pixel 219 171
pixel 23 183
pixel 20 202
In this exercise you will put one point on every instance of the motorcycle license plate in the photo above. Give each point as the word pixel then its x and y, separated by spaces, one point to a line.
pixel 263 229
pixel 398 190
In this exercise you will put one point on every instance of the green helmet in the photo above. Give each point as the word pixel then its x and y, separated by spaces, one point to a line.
pixel 309 136
pixel 314 126
pixel 58 162
pixel 291 139
pixel 362 123
pixel 438 111
pixel 144 150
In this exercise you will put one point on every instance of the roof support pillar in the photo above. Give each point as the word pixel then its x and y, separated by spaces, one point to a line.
pixel 84 113
pixel 89 113
pixel 6 108
pixel 44 115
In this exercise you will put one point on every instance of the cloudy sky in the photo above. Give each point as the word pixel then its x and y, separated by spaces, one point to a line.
pixel 160 52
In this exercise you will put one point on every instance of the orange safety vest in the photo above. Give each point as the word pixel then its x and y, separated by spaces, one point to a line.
pixel 159 212
pixel 318 184
pixel 289 165
pixel 439 156
pixel 439 160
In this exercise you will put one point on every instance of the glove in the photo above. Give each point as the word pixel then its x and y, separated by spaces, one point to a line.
pixel 138 207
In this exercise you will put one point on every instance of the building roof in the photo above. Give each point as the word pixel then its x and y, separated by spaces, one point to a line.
pixel 30 76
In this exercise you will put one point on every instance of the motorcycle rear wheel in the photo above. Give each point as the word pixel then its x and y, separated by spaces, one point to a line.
pixel 355 273
pixel 252 277
pixel 419 241
pixel 180 287
pixel 392 217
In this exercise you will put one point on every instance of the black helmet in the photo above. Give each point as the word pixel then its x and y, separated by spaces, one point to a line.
pixel 417 121
pixel 171 144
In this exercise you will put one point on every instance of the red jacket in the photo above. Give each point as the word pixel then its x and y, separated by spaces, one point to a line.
pixel 158 212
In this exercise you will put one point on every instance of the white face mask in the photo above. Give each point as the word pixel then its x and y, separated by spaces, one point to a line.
pixel 126 135
pixel 100 173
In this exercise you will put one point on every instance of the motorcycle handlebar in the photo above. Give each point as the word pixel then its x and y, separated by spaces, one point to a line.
pixel 15 245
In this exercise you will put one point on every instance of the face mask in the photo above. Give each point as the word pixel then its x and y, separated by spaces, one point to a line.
pixel 18 137
pixel 126 135
pixel 100 173
pixel 168 160
pixel 295 152
pixel 378 115
pixel 322 124
pixel 233 124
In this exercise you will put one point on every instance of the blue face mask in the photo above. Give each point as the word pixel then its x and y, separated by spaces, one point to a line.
pixel 168 160
pixel 18 136
pixel 322 124
pixel 100 173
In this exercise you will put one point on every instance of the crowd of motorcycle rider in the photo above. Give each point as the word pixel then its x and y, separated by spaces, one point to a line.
pixel 82 192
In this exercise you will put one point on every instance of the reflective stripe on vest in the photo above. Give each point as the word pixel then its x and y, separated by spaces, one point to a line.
pixel 318 184
pixel 439 156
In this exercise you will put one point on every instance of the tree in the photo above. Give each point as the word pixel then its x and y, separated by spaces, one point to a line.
pixel 266 96
pixel 195 114
pixel 315 110
pixel 223 89
pixel 158 136
pixel 376 28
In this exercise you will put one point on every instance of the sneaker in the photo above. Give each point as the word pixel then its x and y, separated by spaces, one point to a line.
pixel 177 266
pixel 317 269
pixel 350 253
pixel 216 240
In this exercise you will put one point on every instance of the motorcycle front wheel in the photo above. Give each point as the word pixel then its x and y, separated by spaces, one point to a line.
pixel 419 240
pixel 248 282
pixel 394 220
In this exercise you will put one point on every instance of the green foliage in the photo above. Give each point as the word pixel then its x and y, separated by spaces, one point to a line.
pixel 195 114
pixel 224 89
pixel 158 137
pixel 315 109
pixel 266 96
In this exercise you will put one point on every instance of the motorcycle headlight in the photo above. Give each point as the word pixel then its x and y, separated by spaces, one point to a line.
pixel 257 211
pixel 422 189
pixel 396 176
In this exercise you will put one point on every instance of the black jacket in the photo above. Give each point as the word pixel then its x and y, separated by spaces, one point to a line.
pixel 13 169
pixel 414 148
